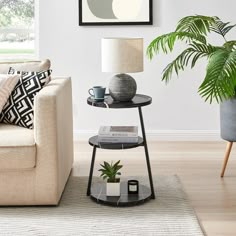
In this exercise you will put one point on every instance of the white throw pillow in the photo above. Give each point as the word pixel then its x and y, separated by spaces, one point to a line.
pixel 7 85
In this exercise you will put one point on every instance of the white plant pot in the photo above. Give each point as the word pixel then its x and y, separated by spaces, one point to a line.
pixel 113 189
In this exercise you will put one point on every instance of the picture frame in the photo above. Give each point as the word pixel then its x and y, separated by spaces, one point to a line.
pixel 115 12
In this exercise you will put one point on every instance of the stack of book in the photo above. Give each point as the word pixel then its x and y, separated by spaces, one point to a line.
pixel 118 134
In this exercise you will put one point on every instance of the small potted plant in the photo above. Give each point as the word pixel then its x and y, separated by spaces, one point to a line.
pixel 110 172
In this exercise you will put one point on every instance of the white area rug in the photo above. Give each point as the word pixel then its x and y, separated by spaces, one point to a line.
pixel 169 214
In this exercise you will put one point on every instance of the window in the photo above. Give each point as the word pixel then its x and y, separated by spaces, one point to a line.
pixel 17 29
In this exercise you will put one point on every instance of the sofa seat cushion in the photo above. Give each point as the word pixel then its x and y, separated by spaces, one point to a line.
pixel 17 148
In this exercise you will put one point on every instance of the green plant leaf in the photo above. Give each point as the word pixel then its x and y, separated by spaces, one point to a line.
pixel 201 50
pixel 220 80
pixel 193 53
pixel 177 65
pixel 118 167
pixel 103 166
pixel 166 42
pixel 198 24
pixel 109 171
pixel 106 164
pixel 221 28
pixel 230 45
pixel 116 164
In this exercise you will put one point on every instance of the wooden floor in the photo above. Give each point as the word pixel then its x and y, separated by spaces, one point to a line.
pixel 198 164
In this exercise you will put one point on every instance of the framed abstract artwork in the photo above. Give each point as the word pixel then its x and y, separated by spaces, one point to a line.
pixel 115 12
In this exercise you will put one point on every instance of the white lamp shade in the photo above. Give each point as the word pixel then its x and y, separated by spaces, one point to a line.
pixel 122 55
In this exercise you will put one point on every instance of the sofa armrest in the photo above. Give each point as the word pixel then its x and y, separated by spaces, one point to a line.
pixel 53 131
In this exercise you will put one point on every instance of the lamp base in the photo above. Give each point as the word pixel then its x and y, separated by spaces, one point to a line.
pixel 122 87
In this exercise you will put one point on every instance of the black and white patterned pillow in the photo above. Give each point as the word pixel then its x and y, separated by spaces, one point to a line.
pixel 19 109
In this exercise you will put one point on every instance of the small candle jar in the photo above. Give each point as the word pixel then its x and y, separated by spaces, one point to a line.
pixel 133 186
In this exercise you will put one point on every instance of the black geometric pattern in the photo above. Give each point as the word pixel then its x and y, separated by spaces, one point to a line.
pixel 19 109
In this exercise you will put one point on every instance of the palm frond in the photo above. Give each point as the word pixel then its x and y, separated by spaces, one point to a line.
pixel 166 42
pixel 180 62
pixel 221 28
pixel 197 24
pixel 193 53
pixel 202 50
pixel 220 80
pixel 230 45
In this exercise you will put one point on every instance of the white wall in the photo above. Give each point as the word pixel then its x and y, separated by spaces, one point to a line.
pixel 177 111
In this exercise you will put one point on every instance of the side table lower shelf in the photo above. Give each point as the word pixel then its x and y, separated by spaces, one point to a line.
pixel 98 194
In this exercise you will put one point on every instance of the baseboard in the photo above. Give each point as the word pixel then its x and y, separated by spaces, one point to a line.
pixel 163 135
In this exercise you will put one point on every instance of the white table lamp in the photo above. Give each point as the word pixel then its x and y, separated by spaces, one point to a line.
pixel 122 55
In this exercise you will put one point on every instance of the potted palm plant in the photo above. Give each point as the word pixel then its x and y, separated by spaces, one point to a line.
pixel 219 83
pixel 110 172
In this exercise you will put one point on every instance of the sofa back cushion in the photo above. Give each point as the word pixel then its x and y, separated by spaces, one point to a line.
pixel 25 66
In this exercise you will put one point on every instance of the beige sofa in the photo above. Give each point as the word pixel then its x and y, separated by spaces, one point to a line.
pixel 35 164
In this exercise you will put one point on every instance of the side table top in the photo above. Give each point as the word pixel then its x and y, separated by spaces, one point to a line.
pixel 139 100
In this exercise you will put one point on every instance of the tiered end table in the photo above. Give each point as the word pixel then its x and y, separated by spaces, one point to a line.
pixel 98 191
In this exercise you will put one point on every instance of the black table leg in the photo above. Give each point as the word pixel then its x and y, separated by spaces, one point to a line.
pixel 146 152
pixel 91 171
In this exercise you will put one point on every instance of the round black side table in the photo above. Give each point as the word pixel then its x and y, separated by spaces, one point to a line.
pixel 97 192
